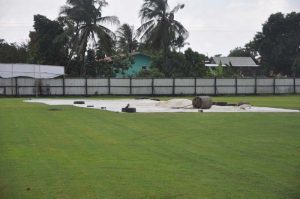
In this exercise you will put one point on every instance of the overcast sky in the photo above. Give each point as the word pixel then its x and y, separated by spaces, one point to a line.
pixel 215 26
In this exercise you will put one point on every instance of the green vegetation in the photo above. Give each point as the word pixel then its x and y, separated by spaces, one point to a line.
pixel 187 64
pixel 289 102
pixel 68 152
pixel 127 41
pixel 80 40
pixel 277 44
pixel 89 20
pixel 160 30
pixel 45 46
pixel 13 53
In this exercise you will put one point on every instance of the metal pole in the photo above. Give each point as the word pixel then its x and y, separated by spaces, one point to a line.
pixel 12 80
pixel 16 87
pixel 152 85
pixel 236 86
pixel 173 91
pixel 215 86
pixel 35 82
pixel 86 86
pixel 108 85
pixel 195 83
pixel 36 87
pixel 39 82
pixel 274 86
pixel 64 87
pixel 295 91
pixel 130 86
pixel 255 86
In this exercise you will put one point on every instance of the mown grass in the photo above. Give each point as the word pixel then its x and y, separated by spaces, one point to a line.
pixel 80 153
pixel 289 101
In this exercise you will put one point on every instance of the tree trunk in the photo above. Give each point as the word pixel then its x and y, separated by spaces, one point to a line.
pixel 165 55
pixel 72 47
pixel 69 61
pixel 83 69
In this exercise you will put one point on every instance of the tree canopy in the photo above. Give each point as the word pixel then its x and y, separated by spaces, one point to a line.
pixel 187 64
pixel 241 52
pixel 159 29
pixel 13 53
pixel 126 39
pixel 87 15
pixel 279 42
pixel 44 48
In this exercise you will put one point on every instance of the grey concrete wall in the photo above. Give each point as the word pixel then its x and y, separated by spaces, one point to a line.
pixel 284 86
pixel 226 86
pixel 142 86
pixel 8 87
pixel 297 83
pixel 54 85
pixel 163 86
pixel 205 86
pixel 97 86
pixel 184 86
pixel 246 86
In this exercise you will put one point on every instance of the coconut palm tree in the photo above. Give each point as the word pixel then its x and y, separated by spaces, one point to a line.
pixel 126 39
pixel 159 27
pixel 87 14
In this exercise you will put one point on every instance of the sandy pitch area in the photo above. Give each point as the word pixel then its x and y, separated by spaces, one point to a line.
pixel 150 106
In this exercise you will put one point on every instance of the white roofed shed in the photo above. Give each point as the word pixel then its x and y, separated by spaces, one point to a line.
pixel 31 70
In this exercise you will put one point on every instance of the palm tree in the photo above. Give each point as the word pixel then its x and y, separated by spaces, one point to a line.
pixel 127 42
pixel 179 43
pixel 159 27
pixel 87 14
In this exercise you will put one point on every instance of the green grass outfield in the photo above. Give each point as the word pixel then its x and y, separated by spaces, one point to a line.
pixel 84 153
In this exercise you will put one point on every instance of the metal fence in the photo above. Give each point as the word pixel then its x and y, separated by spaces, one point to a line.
pixel 154 86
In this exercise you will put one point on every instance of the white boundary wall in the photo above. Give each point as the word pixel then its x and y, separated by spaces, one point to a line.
pixel 155 86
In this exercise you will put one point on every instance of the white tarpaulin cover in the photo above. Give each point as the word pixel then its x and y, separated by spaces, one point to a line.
pixel 150 106
pixel 30 70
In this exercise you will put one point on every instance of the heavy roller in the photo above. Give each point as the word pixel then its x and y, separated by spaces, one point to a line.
pixel 202 102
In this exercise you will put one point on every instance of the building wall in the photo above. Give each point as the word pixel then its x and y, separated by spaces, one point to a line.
pixel 140 61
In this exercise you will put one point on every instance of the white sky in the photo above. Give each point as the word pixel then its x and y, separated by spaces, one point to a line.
pixel 215 26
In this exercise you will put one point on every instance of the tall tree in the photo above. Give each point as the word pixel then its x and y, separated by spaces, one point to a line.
pixel 88 15
pixel 43 46
pixel 279 42
pixel 159 28
pixel 127 41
